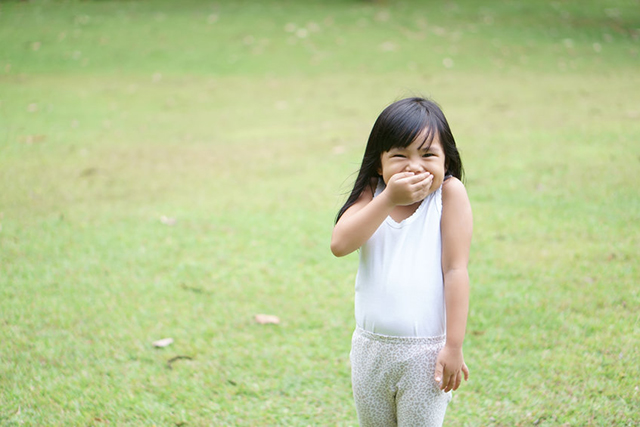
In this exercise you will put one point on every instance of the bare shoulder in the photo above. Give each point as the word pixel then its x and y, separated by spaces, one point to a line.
pixel 367 195
pixel 454 191
pixel 456 207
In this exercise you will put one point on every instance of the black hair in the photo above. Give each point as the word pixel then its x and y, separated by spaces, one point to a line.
pixel 397 127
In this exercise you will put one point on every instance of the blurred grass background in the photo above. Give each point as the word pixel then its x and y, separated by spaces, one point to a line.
pixel 171 169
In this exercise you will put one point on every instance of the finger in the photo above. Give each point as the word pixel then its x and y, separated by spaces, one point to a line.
pixel 458 381
pixel 402 174
pixel 425 179
pixel 450 383
pixel 423 175
pixel 428 182
pixel 415 178
pixel 446 379
pixel 422 180
pixel 424 188
pixel 465 370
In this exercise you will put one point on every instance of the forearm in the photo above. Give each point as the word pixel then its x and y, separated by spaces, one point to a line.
pixel 352 231
pixel 456 293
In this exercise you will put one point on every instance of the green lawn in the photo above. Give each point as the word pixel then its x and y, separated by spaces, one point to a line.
pixel 172 169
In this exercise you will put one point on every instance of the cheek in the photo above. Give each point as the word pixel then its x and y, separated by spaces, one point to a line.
pixel 437 181
pixel 437 169
pixel 438 172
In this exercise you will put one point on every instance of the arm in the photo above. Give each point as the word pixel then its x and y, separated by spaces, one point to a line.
pixel 359 222
pixel 456 227
pixel 363 218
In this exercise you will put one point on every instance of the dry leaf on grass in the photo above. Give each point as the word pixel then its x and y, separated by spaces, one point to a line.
pixel 163 342
pixel 265 319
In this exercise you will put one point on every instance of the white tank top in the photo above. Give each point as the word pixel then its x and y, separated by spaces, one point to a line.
pixel 399 285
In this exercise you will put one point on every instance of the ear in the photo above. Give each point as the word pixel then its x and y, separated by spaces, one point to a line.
pixel 379 168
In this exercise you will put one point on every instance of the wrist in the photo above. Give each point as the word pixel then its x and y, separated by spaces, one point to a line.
pixel 386 199
pixel 453 345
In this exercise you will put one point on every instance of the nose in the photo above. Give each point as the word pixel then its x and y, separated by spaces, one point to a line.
pixel 414 166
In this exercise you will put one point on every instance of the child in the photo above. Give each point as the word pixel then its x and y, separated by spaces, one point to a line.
pixel 410 216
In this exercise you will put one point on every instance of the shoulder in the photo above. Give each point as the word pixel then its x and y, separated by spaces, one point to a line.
pixel 363 199
pixel 453 185
pixel 454 198
pixel 453 189
pixel 369 192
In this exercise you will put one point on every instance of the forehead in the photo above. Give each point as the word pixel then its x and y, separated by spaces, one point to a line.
pixel 422 142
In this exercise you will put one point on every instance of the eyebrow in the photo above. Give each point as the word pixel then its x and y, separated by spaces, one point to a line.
pixel 428 148
pixel 431 147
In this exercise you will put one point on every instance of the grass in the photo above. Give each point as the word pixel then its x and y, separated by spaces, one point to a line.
pixel 244 122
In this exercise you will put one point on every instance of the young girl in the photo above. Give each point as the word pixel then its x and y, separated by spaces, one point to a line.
pixel 410 216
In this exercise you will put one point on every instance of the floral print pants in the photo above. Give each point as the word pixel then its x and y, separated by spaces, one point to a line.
pixel 392 379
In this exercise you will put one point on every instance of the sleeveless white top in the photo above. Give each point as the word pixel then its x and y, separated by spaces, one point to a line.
pixel 399 285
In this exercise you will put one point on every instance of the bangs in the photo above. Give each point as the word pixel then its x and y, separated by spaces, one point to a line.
pixel 406 124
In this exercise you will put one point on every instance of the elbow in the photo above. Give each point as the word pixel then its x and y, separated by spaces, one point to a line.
pixel 456 270
pixel 459 276
pixel 338 249
pixel 342 243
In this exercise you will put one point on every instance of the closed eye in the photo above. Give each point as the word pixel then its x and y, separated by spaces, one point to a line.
pixel 428 155
pixel 402 156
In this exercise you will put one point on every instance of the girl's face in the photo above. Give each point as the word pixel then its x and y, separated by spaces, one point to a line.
pixel 429 158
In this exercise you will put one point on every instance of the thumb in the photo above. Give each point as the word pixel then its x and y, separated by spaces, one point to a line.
pixel 439 370
pixel 465 371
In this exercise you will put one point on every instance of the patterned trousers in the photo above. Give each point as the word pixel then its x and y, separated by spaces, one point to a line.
pixel 392 379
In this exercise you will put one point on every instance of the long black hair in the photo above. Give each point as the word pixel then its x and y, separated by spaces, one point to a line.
pixel 397 127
